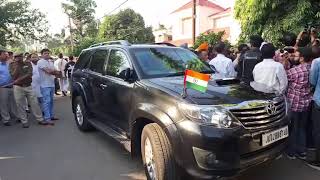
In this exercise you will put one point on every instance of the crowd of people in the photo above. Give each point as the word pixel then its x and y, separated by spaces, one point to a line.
pixel 293 71
pixel 28 81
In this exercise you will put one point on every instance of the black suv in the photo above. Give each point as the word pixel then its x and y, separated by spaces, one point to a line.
pixel 134 94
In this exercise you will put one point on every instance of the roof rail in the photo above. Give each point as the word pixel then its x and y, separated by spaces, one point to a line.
pixel 165 44
pixel 119 42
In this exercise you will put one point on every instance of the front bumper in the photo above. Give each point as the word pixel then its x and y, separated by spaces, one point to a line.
pixel 206 152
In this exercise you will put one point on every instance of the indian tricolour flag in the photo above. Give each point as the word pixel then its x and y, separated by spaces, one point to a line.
pixel 195 80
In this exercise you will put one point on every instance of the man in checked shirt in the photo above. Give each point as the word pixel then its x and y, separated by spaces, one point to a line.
pixel 299 97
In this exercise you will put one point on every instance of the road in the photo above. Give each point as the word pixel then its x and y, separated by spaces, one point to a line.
pixel 63 152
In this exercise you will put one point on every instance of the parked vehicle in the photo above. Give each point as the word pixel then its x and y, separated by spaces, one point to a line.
pixel 133 93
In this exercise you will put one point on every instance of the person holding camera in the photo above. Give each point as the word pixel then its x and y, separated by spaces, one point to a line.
pixel 286 55
pixel 299 96
pixel 307 37
pixel 47 74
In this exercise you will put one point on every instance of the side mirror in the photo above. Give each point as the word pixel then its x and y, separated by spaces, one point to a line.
pixel 127 74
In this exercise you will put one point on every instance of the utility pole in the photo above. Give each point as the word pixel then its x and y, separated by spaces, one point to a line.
pixel 194 14
pixel 71 34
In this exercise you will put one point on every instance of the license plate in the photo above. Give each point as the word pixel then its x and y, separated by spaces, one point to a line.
pixel 275 136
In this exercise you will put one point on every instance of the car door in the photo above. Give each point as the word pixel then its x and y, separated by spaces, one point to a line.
pixel 96 72
pixel 118 93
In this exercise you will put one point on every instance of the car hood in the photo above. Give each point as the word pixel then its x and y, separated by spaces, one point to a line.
pixel 215 95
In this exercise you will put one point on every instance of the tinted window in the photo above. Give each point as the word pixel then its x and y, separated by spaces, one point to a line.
pixel 159 62
pixel 117 63
pixel 98 60
pixel 83 60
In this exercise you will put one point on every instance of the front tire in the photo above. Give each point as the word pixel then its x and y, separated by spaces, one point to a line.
pixel 81 116
pixel 157 154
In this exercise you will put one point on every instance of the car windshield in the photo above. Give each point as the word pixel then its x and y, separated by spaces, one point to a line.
pixel 165 62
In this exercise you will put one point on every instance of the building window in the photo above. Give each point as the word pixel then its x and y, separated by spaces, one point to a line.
pixel 214 23
pixel 222 22
pixel 186 28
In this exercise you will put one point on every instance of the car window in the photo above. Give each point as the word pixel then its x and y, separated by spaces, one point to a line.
pixel 83 60
pixel 98 61
pixel 117 63
pixel 161 62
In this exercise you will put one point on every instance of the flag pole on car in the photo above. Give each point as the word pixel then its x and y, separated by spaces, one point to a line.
pixel 195 80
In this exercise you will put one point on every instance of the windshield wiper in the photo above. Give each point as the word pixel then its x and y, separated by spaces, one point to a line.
pixel 207 72
pixel 175 74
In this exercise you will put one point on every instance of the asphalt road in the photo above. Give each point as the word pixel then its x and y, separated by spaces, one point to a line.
pixel 63 152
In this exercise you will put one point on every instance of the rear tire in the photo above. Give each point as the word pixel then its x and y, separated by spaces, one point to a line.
pixel 81 116
pixel 157 154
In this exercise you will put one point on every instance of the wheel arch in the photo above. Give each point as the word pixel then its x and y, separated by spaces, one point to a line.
pixel 143 115
pixel 78 90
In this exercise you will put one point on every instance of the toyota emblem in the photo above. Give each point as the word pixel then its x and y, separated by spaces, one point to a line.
pixel 271 109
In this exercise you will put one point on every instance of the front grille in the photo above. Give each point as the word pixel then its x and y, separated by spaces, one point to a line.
pixel 260 117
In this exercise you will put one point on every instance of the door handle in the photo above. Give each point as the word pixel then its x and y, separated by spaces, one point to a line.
pixel 103 86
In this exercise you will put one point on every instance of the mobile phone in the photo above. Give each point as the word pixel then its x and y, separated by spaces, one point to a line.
pixel 289 50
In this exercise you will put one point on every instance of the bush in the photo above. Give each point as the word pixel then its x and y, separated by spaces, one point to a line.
pixel 211 38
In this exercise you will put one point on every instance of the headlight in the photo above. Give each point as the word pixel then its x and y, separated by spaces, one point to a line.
pixel 211 115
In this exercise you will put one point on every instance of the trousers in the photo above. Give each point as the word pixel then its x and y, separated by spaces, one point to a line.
pixel 8 107
pixel 298 134
pixel 47 103
pixel 21 94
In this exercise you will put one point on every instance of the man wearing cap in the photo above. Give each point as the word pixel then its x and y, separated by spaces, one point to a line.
pixel 21 73
pixel 7 103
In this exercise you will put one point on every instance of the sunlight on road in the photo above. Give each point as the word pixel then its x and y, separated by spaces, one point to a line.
pixel 9 157
pixel 135 176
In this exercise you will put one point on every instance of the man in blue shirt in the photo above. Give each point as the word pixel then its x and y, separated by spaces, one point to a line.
pixel 315 81
pixel 7 102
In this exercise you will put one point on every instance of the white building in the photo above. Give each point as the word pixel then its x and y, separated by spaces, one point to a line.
pixel 210 17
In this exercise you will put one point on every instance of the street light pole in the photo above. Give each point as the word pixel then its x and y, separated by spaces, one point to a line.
pixel 194 13
pixel 71 34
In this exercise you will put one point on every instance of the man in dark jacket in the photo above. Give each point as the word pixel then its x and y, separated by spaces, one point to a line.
pixel 68 70
pixel 249 60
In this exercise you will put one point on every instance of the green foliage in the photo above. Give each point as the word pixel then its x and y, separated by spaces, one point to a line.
pixel 84 44
pixel 272 18
pixel 126 25
pixel 18 19
pixel 210 38
pixel 82 14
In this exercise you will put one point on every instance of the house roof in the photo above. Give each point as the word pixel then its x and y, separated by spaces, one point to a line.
pixel 205 3
pixel 225 11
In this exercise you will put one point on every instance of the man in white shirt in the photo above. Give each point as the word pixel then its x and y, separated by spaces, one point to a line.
pixel 269 75
pixel 36 78
pixel 59 65
pixel 222 64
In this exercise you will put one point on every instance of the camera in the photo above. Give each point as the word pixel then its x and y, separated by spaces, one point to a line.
pixel 311 29
pixel 284 53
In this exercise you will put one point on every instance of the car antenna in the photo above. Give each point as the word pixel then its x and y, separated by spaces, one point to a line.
pixel 184 93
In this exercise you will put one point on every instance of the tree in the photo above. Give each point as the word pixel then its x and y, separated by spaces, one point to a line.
pixel 271 18
pixel 83 44
pixel 18 19
pixel 211 38
pixel 82 14
pixel 126 25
